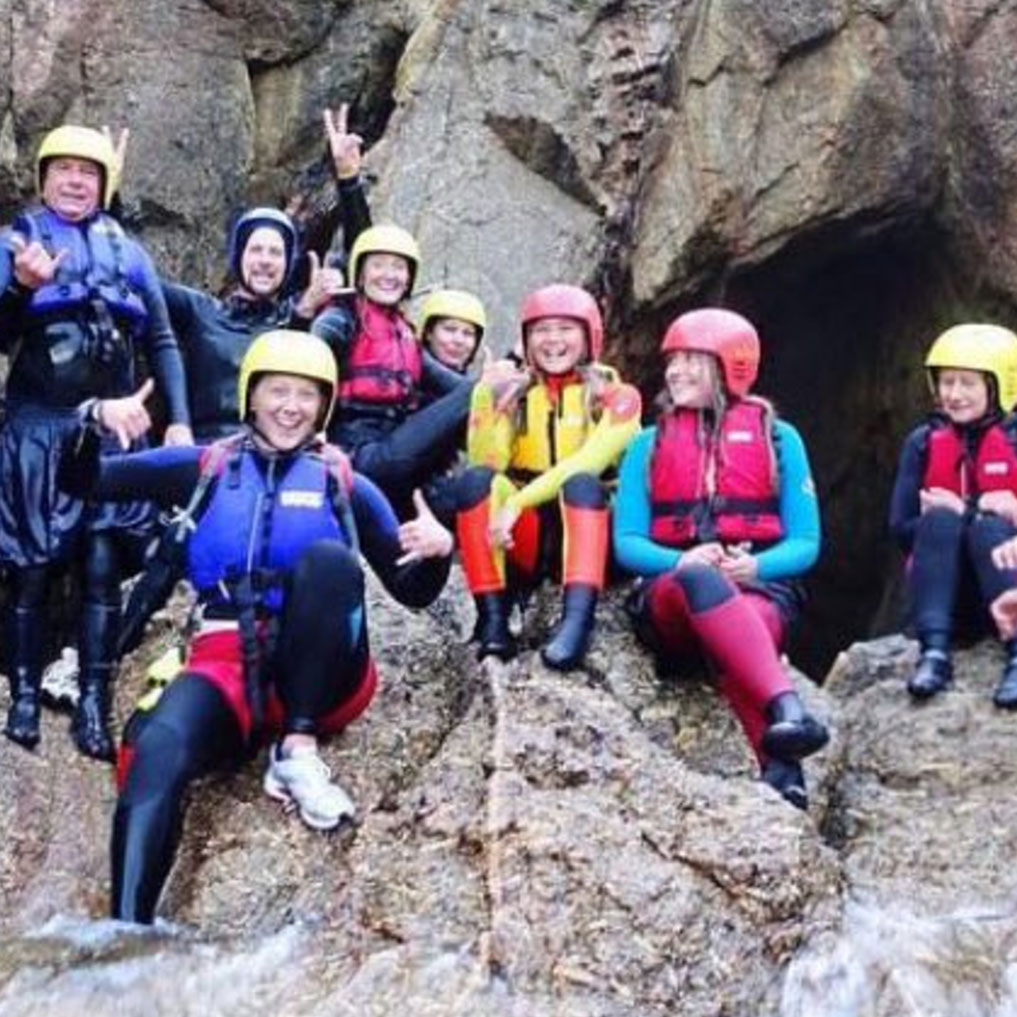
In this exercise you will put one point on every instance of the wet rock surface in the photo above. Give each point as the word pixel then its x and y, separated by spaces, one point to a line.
pixel 534 843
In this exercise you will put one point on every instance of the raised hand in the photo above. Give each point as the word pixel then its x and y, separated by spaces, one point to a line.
pixel 344 146
pixel 127 418
pixel 119 151
pixel 33 266
pixel 424 536
pixel 324 283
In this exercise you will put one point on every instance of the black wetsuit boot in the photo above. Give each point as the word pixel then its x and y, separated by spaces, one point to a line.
pixel 1005 696
pixel 25 639
pixel 570 638
pixel 793 732
pixel 492 630
pixel 90 725
pixel 788 780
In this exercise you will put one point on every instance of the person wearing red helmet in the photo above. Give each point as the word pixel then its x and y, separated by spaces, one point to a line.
pixel 536 467
pixel 717 513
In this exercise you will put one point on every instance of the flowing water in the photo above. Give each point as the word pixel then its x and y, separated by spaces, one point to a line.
pixel 889 963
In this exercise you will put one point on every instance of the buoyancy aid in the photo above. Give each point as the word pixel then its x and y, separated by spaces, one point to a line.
pixel 970 462
pixel 76 332
pixel 555 421
pixel 101 264
pixel 384 366
pixel 744 503
pixel 261 514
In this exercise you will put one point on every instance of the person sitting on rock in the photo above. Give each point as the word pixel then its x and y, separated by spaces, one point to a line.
pixel 263 254
pixel 717 512
pixel 280 647
pixel 80 303
pixel 535 488
pixel 452 325
pixel 955 499
pixel 400 413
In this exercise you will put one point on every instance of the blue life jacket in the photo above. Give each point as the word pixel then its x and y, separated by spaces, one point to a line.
pixel 260 517
pixel 102 263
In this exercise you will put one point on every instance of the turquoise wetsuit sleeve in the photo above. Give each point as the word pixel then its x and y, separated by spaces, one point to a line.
pixel 797 552
pixel 633 547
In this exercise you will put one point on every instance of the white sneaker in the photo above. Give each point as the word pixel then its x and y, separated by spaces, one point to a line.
pixel 60 680
pixel 304 782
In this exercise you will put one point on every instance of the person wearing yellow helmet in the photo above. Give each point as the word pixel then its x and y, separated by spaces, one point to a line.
pixel 400 413
pixel 955 499
pixel 275 523
pixel 79 302
pixel 452 325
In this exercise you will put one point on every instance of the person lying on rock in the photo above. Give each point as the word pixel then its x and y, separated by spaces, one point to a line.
pixel 400 413
pixel 533 502
pixel 451 326
pixel 263 255
pixel 280 648
pixel 80 303
pixel 717 512
pixel 955 499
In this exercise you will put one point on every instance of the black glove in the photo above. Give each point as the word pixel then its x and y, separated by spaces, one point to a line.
pixel 78 468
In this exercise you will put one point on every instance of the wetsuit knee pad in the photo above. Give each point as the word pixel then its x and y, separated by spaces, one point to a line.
pixel 161 760
pixel 704 586
pixel 584 490
pixel 329 569
pixel 987 530
pixel 473 486
pixel 940 525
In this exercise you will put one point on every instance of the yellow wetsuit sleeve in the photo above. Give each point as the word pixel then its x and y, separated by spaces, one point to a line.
pixel 618 425
pixel 489 431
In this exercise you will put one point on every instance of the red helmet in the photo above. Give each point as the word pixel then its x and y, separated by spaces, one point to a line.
pixel 560 301
pixel 728 336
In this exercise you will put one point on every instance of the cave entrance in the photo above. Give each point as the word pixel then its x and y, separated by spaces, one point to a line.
pixel 845 321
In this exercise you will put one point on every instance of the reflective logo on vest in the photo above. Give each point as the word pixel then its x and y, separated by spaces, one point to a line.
pixel 996 468
pixel 302 499
pixel 740 437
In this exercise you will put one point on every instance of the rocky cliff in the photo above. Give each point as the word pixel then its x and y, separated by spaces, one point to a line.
pixel 590 845
pixel 841 171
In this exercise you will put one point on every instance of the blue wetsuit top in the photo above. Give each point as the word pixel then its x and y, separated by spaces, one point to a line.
pixel 789 557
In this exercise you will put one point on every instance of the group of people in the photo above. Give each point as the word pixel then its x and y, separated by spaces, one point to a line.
pixel 308 430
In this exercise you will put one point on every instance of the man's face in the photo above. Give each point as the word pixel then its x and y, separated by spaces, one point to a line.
pixel 72 187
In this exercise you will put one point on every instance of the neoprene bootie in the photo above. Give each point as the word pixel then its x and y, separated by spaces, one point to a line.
pixel 933 674
pixel 788 780
pixel 492 629
pixel 793 732
pixel 90 724
pixel 1005 696
pixel 570 638
pixel 25 670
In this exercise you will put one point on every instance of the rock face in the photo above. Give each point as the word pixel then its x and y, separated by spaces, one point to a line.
pixel 539 844
pixel 841 171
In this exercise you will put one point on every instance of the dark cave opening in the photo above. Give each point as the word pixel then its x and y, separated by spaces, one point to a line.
pixel 845 321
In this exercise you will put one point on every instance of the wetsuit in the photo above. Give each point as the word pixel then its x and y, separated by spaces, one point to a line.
pixel 547 463
pixel 270 558
pixel 402 435
pixel 681 612
pixel 73 339
pixel 951 576
pixel 215 334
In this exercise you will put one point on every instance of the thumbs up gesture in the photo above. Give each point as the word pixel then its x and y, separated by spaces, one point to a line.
pixel 127 418
pixel 424 536
pixel 323 284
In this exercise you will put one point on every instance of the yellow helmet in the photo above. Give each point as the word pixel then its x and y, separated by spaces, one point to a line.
pixel 988 348
pixel 453 304
pixel 285 351
pixel 385 240
pixel 80 143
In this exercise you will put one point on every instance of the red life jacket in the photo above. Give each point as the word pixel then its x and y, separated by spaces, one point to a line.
pixel 950 465
pixel 745 503
pixel 384 364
